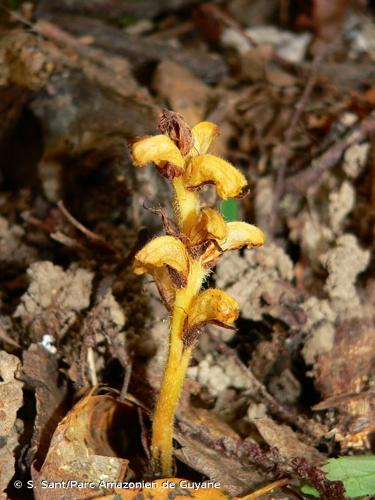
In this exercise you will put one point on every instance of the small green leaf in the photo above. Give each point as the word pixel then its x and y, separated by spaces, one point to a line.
pixel 309 490
pixel 126 21
pixel 229 209
pixel 357 474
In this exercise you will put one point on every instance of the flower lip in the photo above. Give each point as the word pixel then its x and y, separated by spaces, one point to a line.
pixel 241 234
pixel 210 169
pixel 210 306
pixel 163 251
pixel 161 150
pixel 238 235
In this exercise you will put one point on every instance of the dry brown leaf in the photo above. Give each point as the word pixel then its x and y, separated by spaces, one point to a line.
pixel 184 93
pixel 286 441
pixel 80 451
pixel 229 472
pixel 11 399
pixel 345 371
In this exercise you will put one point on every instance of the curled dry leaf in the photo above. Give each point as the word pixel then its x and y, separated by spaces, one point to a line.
pixel 163 251
pixel 159 149
pixel 11 399
pixel 80 450
pixel 209 169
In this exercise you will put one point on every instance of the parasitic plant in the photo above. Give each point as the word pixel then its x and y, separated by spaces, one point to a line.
pixel 180 261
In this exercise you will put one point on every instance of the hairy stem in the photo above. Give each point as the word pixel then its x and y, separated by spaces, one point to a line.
pixel 187 205
pixel 174 375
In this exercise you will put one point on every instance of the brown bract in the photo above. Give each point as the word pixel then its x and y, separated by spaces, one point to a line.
pixel 177 129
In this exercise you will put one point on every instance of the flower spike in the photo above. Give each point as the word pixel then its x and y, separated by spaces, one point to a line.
pixel 179 261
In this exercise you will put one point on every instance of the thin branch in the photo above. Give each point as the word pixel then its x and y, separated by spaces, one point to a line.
pixel 301 181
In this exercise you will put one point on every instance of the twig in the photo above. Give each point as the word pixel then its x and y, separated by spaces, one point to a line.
pixel 91 366
pixel 266 489
pixel 81 228
pixel 125 384
pixel 313 174
pixel 285 150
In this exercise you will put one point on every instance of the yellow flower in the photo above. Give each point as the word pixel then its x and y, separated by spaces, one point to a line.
pixel 211 236
pixel 209 169
pixel 209 226
pixel 203 135
pixel 210 306
pixel 163 251
pixel 162 151
pixel 241 234
pixel 183 151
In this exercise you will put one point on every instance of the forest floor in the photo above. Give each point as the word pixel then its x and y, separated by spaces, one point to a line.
pixel 83 340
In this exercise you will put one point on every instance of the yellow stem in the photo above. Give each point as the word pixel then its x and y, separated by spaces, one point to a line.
pixel 187 205
pixel 174 375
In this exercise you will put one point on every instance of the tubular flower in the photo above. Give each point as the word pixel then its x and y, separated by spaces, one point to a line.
pixel 179 261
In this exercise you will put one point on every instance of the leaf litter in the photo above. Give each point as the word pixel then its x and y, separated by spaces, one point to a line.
pixel 291 88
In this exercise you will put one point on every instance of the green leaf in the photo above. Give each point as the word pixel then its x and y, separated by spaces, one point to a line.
pixel 357 474
pixel 229 209
pixel 126 21
pixel 309 490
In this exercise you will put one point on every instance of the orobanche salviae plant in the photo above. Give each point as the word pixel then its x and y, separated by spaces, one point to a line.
pixel 180 260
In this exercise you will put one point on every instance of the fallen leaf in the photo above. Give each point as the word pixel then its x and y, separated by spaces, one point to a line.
pixel 184 93
pixel 285 440
pixel 229 472
pixel 345 370
pixel 80 450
